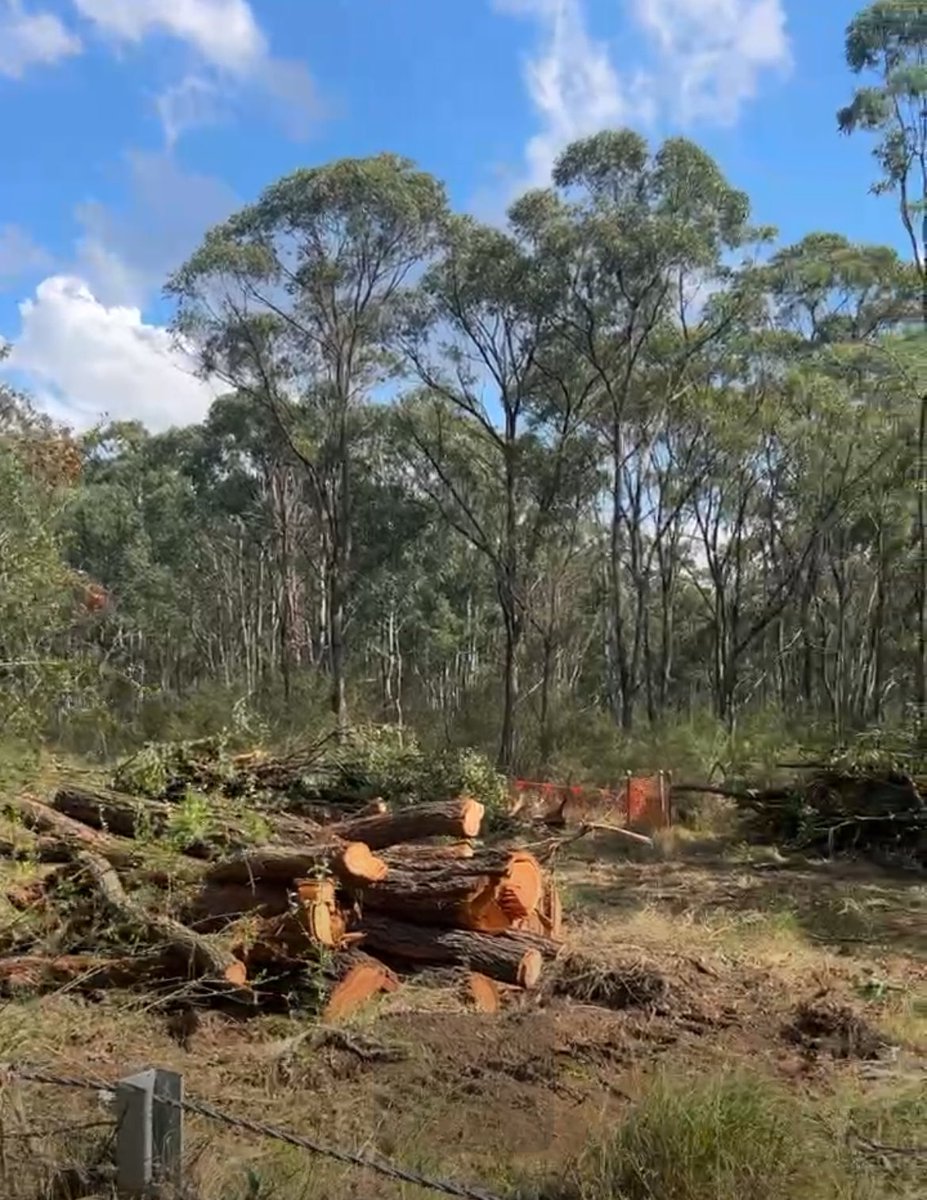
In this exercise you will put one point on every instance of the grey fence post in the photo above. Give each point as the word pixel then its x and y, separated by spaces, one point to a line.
pixel 149 1136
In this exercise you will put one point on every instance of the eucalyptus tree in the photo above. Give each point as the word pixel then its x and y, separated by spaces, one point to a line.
pixel 887 44
pixel 643 234
pixel 292 302
pixel 490 427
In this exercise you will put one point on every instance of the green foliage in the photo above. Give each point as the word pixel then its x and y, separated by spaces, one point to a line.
pixel 192 821
pixel 391 763
pixel 162 769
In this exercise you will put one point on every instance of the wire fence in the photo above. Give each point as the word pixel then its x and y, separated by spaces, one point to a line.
pixel 149 1108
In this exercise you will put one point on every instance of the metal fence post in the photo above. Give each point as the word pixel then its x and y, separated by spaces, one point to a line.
pixel 149 1136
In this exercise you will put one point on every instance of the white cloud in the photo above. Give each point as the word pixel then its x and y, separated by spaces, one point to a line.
pixel 31 39
pixel 85 361
pixel 126 256
pixel 189 104
pixel 19 254
pixel 573 84
pixel 700 61
pixel 229 41
pixel 223 31
pixel 713 53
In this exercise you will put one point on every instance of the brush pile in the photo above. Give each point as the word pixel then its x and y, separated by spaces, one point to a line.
pixel 237 896
pixel 876 812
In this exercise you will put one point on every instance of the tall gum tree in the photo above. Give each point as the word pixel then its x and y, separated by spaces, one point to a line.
pixel 887 41
pixel 646 231
pixel 475 340
pixel 292 302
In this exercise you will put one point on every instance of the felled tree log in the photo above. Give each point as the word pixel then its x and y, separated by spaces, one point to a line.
pixel 487 892
pixel 65 836
pixel 133 816
pixel 218 905
pixel 351 862
pixel 112 811
pixel 203 957
pixel 460 818
pixel 364 979
pixel 425 855
pixel 36 973
pixel 502 956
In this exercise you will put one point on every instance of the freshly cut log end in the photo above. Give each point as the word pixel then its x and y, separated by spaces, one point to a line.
pixel 471 817
pixel 319 912
pixel 362 982
pixel 529 970
pixel 236 973
pixel 356 863
pixel 483 992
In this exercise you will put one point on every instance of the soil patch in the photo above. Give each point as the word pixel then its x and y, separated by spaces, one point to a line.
pixel 823 1027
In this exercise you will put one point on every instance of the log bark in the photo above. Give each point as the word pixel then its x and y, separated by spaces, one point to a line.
pixel 69 835
pixel 460 818
pixel 204 958
pixel 112 811
pixel 351 862
pixel 132 816
pixel 218 905
pixel 507 958
pixel 488 892
pixel 424 855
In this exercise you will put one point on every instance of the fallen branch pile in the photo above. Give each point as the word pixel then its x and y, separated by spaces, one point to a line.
pixel 839 809
pixel 340 908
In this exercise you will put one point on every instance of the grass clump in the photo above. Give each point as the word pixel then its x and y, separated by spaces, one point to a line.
pixel 723 1139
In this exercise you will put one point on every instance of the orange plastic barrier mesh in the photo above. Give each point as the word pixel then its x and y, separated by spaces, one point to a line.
pixel 641 801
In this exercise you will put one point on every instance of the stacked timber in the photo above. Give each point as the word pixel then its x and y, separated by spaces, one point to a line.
pixel 361 900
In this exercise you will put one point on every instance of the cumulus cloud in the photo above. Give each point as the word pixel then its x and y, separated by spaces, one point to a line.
pixel 229 41
pixel 87 361
pixel 29 39
pixel 714 52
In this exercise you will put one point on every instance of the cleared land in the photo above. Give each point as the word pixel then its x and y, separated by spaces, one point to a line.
pixel 688 971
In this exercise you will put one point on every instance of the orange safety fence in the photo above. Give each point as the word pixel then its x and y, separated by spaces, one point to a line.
pixel 641 801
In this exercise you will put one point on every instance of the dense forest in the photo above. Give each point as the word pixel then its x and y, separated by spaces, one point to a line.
pixel 623 462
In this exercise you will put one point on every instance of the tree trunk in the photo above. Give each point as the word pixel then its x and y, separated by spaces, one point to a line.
pixel 460 818
pixel 489 892
pixel 203 957
pixel 351 862
pixel 507 957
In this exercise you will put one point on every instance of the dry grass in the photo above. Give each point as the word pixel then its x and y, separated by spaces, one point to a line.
pixel 687 964
pixel 737 1135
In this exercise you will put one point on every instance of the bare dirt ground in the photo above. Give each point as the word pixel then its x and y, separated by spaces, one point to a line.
pixel 698 961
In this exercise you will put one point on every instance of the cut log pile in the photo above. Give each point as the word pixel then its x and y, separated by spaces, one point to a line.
pixel 346 906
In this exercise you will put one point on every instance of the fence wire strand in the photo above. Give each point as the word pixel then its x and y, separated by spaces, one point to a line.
pixel 32 1074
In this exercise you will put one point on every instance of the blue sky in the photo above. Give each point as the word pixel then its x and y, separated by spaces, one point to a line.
pixel 132 125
